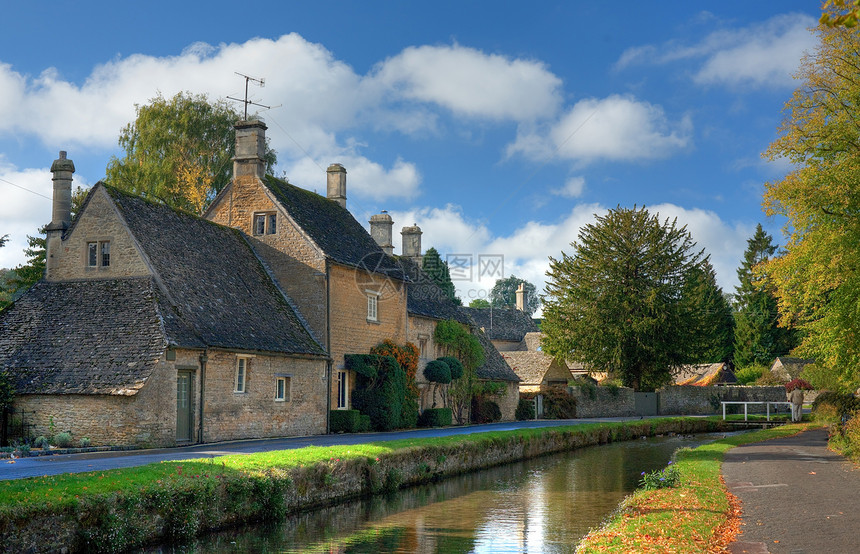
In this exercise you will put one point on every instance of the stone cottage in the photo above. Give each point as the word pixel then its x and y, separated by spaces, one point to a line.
pixel 155 327
pixel 349 292
pixel 505 327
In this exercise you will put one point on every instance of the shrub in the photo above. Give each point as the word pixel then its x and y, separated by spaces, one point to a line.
pixel 409 414
pixel 435 417
pixel 454 365
pixel 525 409
pixel 485 410
pixel 85 442
pixel 42 442
pixel 749 374
pixel 380 389
pixel 344 421
pixel 558 404
pixel 364 423
pixel 437 371
pixel 661 479
pixel 407 355
pixel 830 407
pixel 63 440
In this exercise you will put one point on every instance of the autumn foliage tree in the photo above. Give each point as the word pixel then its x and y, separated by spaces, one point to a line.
pixel 178 151
pixel 817 279
pixel 407 356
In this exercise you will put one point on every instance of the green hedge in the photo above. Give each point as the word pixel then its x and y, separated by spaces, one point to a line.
pixel 380 389
pixel 525 409
pixel 345 421
pixel 435 417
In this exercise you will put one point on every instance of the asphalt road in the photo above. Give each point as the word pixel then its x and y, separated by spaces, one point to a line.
pixel 100 461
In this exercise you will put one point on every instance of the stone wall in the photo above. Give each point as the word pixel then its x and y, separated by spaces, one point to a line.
pixel 690 400
pixel 98 223
pixel 228 415
pixel 607 402
pixel 296 262
pixel 139 420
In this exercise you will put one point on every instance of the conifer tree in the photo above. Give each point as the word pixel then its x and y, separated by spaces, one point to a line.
pixel 438 271
pixel 712 314
pixel 758 337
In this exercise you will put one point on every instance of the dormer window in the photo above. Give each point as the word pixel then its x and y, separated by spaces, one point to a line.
pixel 265 223
pixel 98 254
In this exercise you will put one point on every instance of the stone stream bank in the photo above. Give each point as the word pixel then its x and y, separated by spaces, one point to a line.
pixel 186 506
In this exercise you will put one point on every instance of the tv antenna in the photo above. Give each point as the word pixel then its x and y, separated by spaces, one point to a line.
pixel 259 82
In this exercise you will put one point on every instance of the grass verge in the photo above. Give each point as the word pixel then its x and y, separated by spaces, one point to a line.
pixel 694 517
pixel 174 501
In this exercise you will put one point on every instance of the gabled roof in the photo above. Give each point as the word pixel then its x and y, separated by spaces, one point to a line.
pixel 220 291
pixel 425 298
pixel 703 375
pixel 502 324
pixel 788 368
pixel 332 228
pixel 105 336
pixel 495 368
pixel 532 367
pixel 83 337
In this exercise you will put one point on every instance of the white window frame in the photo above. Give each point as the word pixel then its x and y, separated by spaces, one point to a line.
pixel 372 306
pixel 242 365
pixel 282 393
pixel 342 383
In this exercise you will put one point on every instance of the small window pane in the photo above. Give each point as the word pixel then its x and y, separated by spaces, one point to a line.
pixel 282 391
pixel 372 310
pixel 259 224
pixel 240 375
pixel 92 254
pixel 273 224
pixel 105 254
pixel 342 389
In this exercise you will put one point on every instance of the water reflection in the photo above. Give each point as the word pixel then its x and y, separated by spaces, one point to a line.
pixel 544 505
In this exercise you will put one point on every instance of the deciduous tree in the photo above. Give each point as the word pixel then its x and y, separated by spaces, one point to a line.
pixel 617 303
pixel 178 151
pixel 504 294
pixel 816 280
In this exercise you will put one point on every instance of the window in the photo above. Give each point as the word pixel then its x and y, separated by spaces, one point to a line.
pixel 342 390
pixel 98 254
pixel 265 224
pixel 282 389
pixel 372 306
pixel 241 375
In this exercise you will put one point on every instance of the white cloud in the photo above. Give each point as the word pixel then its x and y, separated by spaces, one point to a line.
pixel 25 208
pixel 470 82
pixel 572 188
pixel 618 128
pixel 762 55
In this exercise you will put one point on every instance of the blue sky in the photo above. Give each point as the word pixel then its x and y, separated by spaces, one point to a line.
pixel 500 128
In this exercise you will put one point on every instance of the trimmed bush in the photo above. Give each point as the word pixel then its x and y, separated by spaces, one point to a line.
pixel 42 442
pixel 409 414
pixel 525 409
pixel 381 396
pixel 437 371
pixel 435 417
pixel 558 404
pixel 63 440
pixel 344 421
pixel 455 365
pixel 364 423
pixel 485 410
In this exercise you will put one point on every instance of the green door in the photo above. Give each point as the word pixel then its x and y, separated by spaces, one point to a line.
pixel 184 416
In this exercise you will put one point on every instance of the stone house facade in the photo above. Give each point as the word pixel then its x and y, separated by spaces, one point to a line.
pixel 155 327
pixel 349 292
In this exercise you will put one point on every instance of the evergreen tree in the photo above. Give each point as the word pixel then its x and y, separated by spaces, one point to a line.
pixel 617 304
pixel 438 271
pixel 713 314
pixel 504 294
pixel 758 337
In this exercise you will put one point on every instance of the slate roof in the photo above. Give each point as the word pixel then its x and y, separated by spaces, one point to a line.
pixel 221 291
pixel 425 298
pixel 495 368
pixel 105 336
pixel 333 228
pixel 703 375
pixel 787 368
pixel 502 324
pixel 83 337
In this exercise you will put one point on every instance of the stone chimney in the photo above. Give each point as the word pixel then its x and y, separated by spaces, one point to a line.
pixel 250 149
pixel 521 297
pixel 61 214
pixel 336 181
pixel 380 230
pixel 412 243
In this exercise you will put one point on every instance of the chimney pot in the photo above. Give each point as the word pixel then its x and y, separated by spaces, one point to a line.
pixel 61 212
pixel 250 158
pixel 521 297
pixel 336 184
pixel 380 229
pixel 412 242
